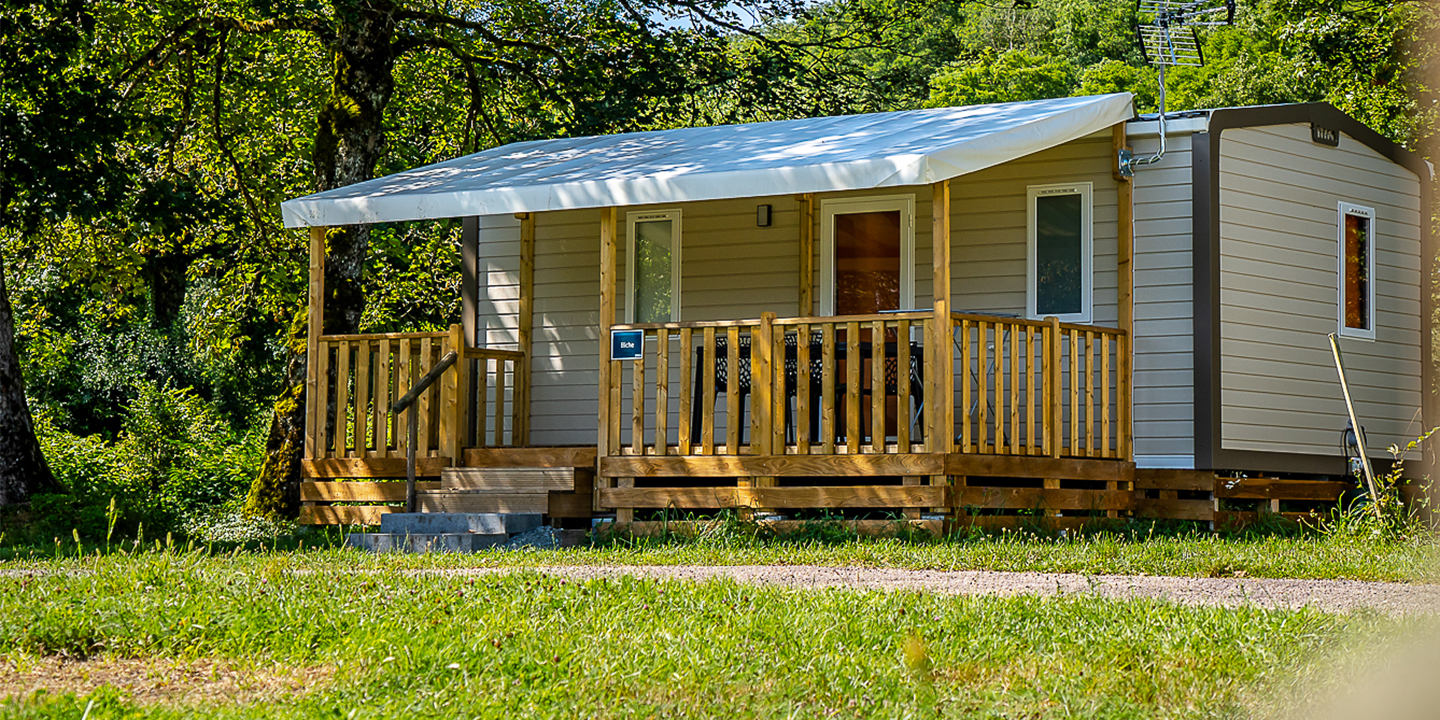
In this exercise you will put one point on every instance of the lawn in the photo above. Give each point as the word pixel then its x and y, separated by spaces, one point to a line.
pixel 1180 553
pixel 376 641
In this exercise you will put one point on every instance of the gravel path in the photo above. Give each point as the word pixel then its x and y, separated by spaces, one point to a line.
pixel 1324 595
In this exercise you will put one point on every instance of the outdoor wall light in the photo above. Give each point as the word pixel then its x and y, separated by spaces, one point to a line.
pixel 762 216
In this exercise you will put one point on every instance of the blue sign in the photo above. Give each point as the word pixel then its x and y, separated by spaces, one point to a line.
pixel 627 344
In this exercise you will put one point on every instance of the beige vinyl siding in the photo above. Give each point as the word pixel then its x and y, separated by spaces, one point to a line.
pixel 1164 376
pixel 1278 216
pixel 988 227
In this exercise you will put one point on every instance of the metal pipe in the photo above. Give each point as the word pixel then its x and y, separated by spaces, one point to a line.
pixel 1161 153
pixel 413 420
pixel 1355 423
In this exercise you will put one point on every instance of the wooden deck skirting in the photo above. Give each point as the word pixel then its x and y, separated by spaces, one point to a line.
pixel 868 465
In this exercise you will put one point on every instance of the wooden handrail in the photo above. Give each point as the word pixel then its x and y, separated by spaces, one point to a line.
pixel 972 317
pixel 493 353
pixel 383 336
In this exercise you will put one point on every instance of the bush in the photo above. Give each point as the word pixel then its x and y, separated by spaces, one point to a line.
pixel 175 460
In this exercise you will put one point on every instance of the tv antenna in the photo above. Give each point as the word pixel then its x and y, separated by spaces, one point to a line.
pixel 1170 40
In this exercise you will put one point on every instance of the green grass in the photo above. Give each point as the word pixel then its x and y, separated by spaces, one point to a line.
pixel 523 645
pixel 1193 554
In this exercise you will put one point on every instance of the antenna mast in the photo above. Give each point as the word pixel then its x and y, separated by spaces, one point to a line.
pixel 1171 40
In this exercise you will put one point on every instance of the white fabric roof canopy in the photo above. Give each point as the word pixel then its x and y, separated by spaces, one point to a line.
pixel 851 152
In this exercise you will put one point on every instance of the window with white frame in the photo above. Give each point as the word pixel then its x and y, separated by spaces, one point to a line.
pixel 1060 256
pixel 652 280
pixel 1356 271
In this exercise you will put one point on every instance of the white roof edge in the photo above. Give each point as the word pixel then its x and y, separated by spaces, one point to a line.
pixel 1177 126
pixel 539 176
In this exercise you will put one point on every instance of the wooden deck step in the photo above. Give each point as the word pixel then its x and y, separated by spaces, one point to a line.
pixel 463 501
pixel 510 480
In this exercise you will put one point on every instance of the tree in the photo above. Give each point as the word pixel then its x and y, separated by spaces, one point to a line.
pixel 1011 76
pixel 57 121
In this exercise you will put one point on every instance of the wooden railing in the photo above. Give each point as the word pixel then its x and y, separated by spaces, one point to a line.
pixel 857 385
pixel 846 385
pixel 480 402
pixel 500 398
pixel 1042 388
pixel 359 376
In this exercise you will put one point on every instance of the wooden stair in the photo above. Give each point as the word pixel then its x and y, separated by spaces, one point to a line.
pixel 558 492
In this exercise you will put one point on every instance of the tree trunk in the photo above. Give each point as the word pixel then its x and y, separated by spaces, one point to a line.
pixel 349 142
pixel 23 470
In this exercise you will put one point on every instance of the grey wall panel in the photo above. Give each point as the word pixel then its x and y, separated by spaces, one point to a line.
pixel 1279 193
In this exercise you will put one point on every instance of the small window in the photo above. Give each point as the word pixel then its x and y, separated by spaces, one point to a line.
pixel 652 285
pixel 1357 271
pixel 1061 246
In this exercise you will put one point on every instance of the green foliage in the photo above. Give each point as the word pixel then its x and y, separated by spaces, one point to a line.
pixel 175 458
pixel 1386 515
pixel 1011 76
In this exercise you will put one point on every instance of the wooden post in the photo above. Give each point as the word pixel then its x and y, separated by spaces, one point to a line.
pixel 455 388
pixel 314 424
pixel 941 407
pixel 469 312
pixel 807 255
pixel 607 318
pixel 1125 293
pixel 1057 388
pixel 527 326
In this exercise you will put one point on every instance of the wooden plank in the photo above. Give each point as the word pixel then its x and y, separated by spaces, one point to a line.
pixel 456 420
pixel 617 375
pixel 941 329
pixel 474 502
pixel 911 513
pixel 500 403
pixel 902 386
pixel 732 390
pixel 1125 432
pixel 1170 479
pixel 425 403
pixel 363 411
pixel 637 402
pixel 1089 393
pixel 342 399
pixel 1030 447
pixel 1267 488
pixel 371 467
pixel 807 255
pixel 876 528
pixel 827 389
pixel 405 375
pixel 803 383
pixel 511 480
pixel 315 407
pixel 1038 467
pixel 761 386
pixel 662 391
pixel 687 376
pixel 982 394
pixel 861 496
pixel 482 401
pixel 773 465
pixel 1105 447
pixel 532 457
pixel 384 336
pixel 1023 498
pixel 852 388
pixel 526 329
pixel 877 386
pixel 311 491
pixel 862 319
pixel 966 384
pixel 707 395
pixel 779 400
pixel 1047 407
pixel 607 318
pixel 999 418
pixel 1012 522
pixel 1202 510
pixel 1073 339
pixel 570 505
pixel 1015 344
pixel 382 399
pixel 329 434
pixel 345 514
